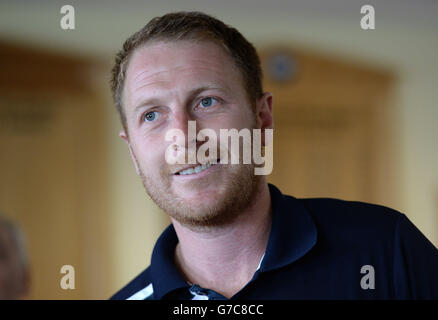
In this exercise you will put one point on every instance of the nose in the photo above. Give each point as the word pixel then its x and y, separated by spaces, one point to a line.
pixel 180 121
pixel 183 121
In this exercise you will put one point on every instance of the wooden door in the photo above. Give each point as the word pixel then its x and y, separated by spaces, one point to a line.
pixel 332 127
pixel 52 169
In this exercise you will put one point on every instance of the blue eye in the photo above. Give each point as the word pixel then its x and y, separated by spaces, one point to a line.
pixel 207 102
pixel 151 116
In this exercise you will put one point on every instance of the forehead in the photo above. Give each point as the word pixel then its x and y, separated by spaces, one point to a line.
pixel 182 62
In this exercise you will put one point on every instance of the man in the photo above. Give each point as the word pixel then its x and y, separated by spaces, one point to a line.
pixel 232 234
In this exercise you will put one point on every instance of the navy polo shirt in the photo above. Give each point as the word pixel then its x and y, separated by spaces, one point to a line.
pixel 318 248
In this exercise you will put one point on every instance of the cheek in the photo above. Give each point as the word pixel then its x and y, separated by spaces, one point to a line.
pixel 243 116
pixel 150 151
pixel 238 120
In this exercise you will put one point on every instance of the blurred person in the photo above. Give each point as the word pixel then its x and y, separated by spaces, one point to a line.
pixel 14 272
pixel 233 235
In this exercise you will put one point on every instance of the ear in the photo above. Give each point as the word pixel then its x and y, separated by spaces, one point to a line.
pixel 265 118
pixel 125 137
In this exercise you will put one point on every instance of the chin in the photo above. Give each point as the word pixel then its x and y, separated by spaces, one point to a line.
pixel 200 195
pixel 205 202
pixel 203 210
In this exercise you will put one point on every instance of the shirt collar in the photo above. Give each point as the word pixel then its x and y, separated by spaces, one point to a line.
pixel 293 234
pixel 166 276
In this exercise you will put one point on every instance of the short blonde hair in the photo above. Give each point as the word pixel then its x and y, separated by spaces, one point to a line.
pixel 190 26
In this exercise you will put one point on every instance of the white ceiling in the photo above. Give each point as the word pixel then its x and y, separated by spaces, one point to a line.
pixel 101 26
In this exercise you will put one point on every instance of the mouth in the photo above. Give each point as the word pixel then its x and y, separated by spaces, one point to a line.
pixel 196 169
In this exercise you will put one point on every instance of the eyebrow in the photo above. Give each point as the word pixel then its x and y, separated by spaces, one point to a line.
pixel 192 93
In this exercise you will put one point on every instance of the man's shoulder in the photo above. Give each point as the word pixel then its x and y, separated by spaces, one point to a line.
pixel 139 288
pixel 352 218
pixel 339 208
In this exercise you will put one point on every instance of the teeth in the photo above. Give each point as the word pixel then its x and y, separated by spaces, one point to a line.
pixel 196 169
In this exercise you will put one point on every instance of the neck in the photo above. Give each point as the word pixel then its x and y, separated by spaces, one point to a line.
pixel 225 258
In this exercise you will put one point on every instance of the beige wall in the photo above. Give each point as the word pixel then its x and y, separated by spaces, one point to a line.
pixel 405 41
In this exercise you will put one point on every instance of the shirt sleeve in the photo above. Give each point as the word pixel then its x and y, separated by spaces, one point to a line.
pixel 415 263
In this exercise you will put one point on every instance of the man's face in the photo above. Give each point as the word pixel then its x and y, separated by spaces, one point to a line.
pixel 167 84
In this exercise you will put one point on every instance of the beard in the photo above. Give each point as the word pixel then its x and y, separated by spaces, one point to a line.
pixel 236 192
